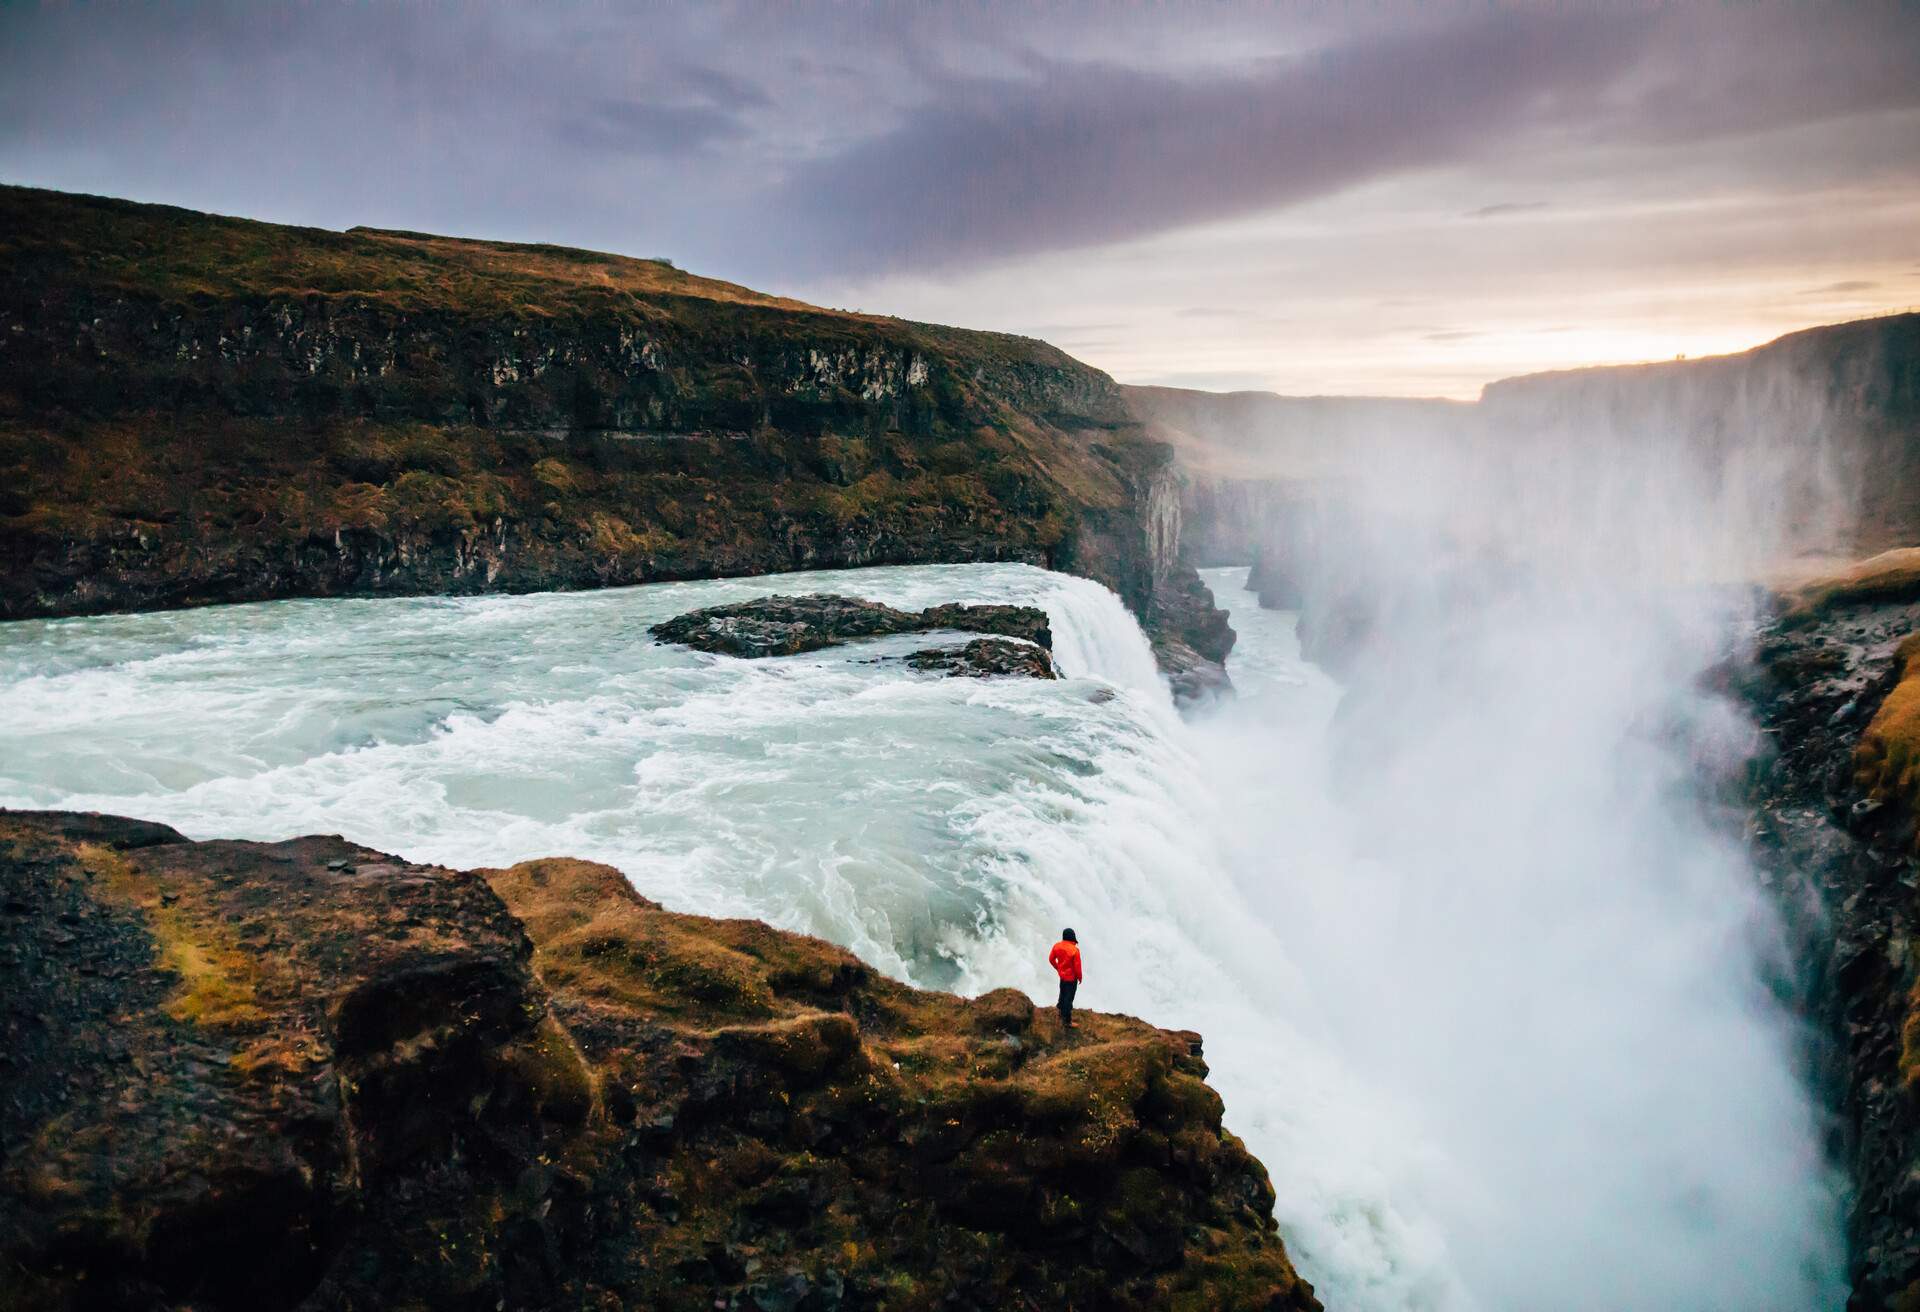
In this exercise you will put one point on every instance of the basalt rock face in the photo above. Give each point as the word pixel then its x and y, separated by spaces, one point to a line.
pixel 785 626
pixel 1835 830
pixel 305 1074
pixel 196 409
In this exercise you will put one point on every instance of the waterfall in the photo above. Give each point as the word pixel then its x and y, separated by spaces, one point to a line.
pixel 1481 993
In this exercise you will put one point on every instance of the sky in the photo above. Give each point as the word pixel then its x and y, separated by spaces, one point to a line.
pixel 1306 197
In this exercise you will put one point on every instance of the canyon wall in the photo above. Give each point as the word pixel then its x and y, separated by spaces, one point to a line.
pixel 197 409
pixel 1820 431
pixel 1804 450
pixel 1833 820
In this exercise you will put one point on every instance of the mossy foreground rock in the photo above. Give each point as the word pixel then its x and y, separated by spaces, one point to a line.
pixel 246 1075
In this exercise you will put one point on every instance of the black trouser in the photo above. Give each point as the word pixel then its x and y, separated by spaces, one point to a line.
pixel 1067 989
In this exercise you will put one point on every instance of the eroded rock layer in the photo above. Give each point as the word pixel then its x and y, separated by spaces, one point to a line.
pixel 196 409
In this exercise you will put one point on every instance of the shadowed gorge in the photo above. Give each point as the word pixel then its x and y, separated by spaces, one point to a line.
pixel 1673 568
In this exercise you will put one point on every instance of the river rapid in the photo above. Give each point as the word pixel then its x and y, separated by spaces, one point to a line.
pixel 1489 1002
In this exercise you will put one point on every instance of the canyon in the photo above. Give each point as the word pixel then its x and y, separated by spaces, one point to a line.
pixel 481 1083
pixel 1812 446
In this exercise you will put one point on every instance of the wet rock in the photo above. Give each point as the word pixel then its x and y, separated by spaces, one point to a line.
pixel 1192 678
pixel 786 626
pixel 986 658
pixel 1834 835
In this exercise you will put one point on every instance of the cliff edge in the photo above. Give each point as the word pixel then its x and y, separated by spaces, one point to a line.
pixel 305 1074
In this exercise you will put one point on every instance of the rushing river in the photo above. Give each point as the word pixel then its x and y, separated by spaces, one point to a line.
pixel 1479 1078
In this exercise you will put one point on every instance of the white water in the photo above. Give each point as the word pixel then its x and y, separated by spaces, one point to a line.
pixel 1482 1073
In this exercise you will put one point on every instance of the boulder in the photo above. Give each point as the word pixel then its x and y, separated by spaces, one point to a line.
pixel 985 658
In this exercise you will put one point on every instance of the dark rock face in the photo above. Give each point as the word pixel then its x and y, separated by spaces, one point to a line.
pixel 246 1075
pixel 198 410
pixel 987 658
pixel 230 1061
pixel 784 626
pixel 1185 609
pixel 1193 678
pixel 1844 866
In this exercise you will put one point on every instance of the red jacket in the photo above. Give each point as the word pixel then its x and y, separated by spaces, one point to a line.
pixel 1065 960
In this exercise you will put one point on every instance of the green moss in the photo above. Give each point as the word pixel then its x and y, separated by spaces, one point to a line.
pixel 555 475
pixel 216 981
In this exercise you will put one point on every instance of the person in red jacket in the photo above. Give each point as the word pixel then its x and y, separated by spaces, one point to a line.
pixel 1065 960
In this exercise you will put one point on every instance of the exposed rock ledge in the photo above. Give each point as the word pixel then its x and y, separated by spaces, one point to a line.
pixel 786 626
pixel 985 658
pixel 248 1075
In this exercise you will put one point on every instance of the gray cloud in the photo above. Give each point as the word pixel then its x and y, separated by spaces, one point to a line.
pixel 830 141
pixel 1082 154
pixel 640 128
pixel 1849 285
pixel 1507 207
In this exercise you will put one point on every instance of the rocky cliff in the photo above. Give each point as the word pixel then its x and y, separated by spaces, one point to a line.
pixel 1820 429
pixel 1834 684
pixel 305 1074
pixel 198 409
pixel 1253 468
pixel 1827 419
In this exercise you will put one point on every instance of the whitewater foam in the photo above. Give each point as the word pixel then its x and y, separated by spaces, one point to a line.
pixel 945 829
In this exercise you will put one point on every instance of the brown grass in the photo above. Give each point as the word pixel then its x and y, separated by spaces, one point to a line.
pixel 1887 761
pixel 1890 576
pixel 179 255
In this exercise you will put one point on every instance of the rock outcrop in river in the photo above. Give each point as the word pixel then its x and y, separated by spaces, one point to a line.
pixel 785 626
pixel 252 1075
pixel 198 409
